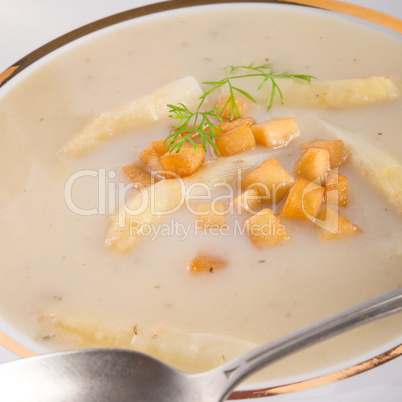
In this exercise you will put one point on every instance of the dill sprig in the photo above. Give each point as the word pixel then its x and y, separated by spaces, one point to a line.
pixel 189 124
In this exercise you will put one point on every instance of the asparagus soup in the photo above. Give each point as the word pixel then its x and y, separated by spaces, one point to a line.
pixel 155 199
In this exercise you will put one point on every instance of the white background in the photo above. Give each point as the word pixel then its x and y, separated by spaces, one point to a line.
pixel 28 24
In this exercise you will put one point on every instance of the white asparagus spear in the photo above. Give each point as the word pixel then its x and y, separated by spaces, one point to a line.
pixel 382 169
pixel 342 94
pixel 186 350
pixel 153 108
pixel 336 94
pixel 167 196
pixel 148 110
pixel 148 207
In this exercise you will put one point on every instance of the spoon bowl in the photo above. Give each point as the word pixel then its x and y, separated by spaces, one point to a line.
pixel 125 375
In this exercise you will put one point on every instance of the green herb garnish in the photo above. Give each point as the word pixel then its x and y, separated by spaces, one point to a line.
pixel 190 124
pixel 200 122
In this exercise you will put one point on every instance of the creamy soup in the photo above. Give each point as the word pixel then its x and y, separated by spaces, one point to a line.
pixel 64 287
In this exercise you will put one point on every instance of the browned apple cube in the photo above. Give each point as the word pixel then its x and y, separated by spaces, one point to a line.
pixel 183 163
pixel 276 133
pixel 210 214
pixel 270 179
pixel 236 123
pixel 151 155
pixel 336 189
pixel 236 140
pixel 205 263
pixel 337 150
pixel 314 164
pixel 227 126
pixel 303 201
pixel 138 176
pixel 247 201
pixel 265 230
pixel 194 136
pixel 224 108
pixel 335 226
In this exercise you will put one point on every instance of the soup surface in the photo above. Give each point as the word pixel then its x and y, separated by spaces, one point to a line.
pixel 60 283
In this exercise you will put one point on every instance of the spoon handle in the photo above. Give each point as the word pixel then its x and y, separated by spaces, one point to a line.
pixel 241 367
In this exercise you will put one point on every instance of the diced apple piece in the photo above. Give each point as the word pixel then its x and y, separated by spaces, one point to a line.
pixel 303 201
pixel 276 133
pixel 236 123
pixel 138 176
pixel 265 230
pixel 151 155
pixel 210 215
pixel 236 140
pixel 313 164
pixel 160 147
pixel 336 189
pixel 335 226
pixel 185 162
pixel 337 150
pixel 270 179
pixel 224 109
pixel 194 135
pixel 227 126
pixel 205 263
pixel 247 201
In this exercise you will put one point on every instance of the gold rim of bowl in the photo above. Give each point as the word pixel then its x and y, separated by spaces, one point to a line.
pixel 363 13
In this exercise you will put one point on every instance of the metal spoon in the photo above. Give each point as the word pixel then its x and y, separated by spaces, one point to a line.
pixel 121 375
